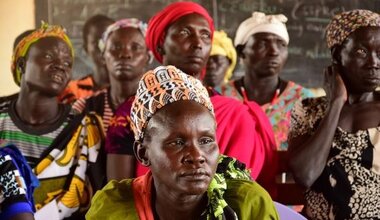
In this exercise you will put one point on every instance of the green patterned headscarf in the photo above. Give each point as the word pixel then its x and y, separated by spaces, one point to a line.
pixel 23 46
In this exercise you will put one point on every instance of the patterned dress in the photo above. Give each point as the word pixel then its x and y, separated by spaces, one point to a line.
pixel 349 186
pixel 278 111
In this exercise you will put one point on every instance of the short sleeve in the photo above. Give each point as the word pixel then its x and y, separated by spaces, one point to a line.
pixel 114 201
pixel 13 199
pixel 305 116
pixel 249 200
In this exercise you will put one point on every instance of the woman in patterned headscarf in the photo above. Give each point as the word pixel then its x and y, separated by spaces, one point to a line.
pixel 180 35
pixel 335 140
pixel 60 145
pixel 175 131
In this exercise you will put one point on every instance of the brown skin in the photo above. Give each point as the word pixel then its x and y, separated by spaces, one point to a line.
pixel 353 102
pixel 180 139
pixel 126 57
pixel 23 216
pixel 217 67
pixel 91 47
pixel 264 56
pixel 46 70
pixel 187 44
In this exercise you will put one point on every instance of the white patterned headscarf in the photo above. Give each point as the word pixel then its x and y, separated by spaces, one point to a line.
pixel 261 23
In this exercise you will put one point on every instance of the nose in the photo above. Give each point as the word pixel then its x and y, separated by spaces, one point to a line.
pixel 273 49
pixel 374 61
pixel 194 155
pixel 196 41
pixel 58 64
pixel 211 64
pixel 125 53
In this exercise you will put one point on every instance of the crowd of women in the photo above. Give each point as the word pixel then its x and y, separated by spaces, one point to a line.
pixel 186 140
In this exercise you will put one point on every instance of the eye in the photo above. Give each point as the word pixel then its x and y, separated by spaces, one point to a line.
pixel 136 47
pixel 361 52
pixel 67 64
pixel 176 143
pixel 282 44
pixel 48 56
pixel 206 141
pixel 185 32
pixel 206 35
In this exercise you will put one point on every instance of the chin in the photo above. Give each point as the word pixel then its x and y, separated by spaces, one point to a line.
pixel 196 190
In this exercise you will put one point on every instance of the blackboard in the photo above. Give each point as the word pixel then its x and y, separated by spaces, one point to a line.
pixel 308 54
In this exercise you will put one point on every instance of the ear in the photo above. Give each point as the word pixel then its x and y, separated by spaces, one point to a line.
pixel 160 50
pixel 140 151
pixel 20 64
pixel 240 50
pixel 151 57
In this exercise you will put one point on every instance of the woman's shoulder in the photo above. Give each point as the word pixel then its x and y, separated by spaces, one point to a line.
pixel 114 201
pixel 249 200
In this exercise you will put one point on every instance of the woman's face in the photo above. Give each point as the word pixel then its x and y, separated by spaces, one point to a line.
pixel 265 54
pixel 93 36
pixel 47 66
pixel 126 54
pixel 360 60
pixel 217 66
pixel 187 44
pixel 181 147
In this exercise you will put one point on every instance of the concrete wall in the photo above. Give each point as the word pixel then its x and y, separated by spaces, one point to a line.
pixel 16 16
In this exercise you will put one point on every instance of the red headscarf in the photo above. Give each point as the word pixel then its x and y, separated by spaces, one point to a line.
pixel 159 23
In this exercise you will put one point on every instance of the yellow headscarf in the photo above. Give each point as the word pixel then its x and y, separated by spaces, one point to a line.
pixel 222 45
pixel 23 46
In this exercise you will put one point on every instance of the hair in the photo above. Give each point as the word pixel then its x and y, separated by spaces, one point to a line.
pixel 93 21
pixel 21 36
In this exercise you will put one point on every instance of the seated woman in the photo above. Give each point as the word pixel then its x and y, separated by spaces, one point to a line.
pixel 221 63
pixel 175 131
pixel 334 141
pixel 92 32
pixel 60 145
pixel 181 35
pixel 262 45
pixel 125 55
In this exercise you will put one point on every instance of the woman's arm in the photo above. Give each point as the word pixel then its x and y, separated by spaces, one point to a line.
pixel 309 154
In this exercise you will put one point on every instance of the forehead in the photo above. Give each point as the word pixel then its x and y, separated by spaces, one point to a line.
pixel 364 36
pixel 50 43
pixel 126 34
pixel 175 113
pixel 266 36
pixel 190 20
pixel 97 29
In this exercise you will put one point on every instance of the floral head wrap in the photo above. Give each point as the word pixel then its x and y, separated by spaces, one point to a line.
pixel 159 23
pixel 222 45
pixel 347 22
pixel 160 87
pixel 23 46
pixel 262 23
pixel 123 23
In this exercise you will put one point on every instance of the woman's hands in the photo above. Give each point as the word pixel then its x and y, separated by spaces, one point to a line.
pixel 334 84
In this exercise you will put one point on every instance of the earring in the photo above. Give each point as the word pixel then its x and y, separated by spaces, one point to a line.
pixel 146 162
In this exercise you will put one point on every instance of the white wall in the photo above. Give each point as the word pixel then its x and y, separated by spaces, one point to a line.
pixel 16 16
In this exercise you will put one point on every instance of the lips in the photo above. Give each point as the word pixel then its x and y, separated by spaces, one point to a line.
pixel 124 67
pixel 196 175
pixel 58 78
pixel 195 59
